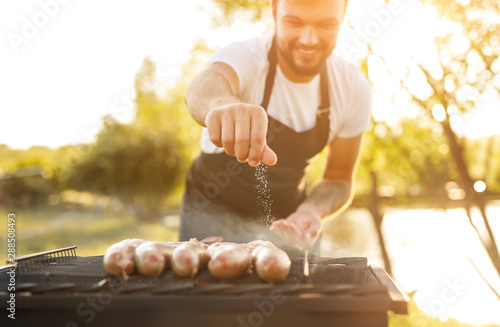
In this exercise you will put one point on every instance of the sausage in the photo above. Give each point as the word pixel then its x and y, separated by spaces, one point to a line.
pixel 151 258
pixel 185 261
pixel 250 246
pixel 271 264
pixel 167 249
pixel 229 261
pixel 202 252
pixel 214 246
pixel 211 239
pixel 119 257
pixel 199 243
pixel 254 244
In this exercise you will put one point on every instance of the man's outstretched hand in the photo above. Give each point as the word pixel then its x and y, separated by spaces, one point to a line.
pixel 241 129
pixel 300 230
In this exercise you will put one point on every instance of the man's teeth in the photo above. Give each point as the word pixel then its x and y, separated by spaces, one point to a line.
pixel 307 51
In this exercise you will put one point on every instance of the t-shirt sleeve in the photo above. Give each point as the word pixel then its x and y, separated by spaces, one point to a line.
pixel 358 116
pixel 242 57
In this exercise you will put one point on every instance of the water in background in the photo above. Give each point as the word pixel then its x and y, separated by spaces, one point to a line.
pixel 429 252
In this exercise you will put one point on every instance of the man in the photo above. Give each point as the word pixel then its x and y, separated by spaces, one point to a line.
pixel 278 99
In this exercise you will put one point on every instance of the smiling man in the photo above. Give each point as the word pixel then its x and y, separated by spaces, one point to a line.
pixel 278 99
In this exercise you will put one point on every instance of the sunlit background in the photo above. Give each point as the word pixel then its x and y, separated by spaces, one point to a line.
pixel 66 66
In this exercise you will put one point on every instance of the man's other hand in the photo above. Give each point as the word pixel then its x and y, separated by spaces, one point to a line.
pixel 300 230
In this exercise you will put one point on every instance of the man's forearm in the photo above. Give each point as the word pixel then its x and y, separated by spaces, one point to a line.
pixel 209 90
pixel 328 197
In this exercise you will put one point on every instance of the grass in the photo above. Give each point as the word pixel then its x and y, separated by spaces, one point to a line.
pixel 48 228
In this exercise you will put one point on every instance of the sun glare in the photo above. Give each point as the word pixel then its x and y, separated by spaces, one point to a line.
pixel 480 186
pixel 431 251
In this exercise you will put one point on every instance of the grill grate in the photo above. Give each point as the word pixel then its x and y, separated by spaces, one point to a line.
pixel 46 258
pixel 62 288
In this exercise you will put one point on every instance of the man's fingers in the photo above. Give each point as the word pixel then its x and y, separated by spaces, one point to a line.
pixel 228 139
pixel 313 230
pixel 278 224
pixel 274 224
pixel 241 130
pixel 257 136
pixel 295 236
pixel 255 154
pixel 214 129
pixel 284 227
pixel 242 136
pixel 288 232
pixel 269 157
pixel 286 236
pixel 292 229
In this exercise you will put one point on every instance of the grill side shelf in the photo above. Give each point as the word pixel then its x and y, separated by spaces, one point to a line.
pixel 399 298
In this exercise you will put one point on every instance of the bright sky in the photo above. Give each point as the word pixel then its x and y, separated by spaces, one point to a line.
pixel 66 64
pixel 63 71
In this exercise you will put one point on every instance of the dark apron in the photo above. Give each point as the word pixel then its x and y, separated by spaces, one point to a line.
pixel 221 196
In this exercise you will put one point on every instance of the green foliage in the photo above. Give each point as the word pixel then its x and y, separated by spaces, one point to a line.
pixel 143 162
pixel 129 160
pixel 414 157
pixel 52 227
pixel 254 10
pixel 27 191
pixel 12 158
pixel 27 177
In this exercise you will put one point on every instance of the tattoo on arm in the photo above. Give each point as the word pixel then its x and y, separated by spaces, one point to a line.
pixel 328 196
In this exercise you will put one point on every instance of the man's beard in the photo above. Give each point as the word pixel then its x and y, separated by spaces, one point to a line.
pixel 305 70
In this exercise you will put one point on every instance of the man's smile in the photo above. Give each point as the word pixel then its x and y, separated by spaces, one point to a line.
pixel 307 53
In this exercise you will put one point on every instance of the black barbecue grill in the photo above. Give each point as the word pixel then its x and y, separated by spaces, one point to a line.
pixel 58 288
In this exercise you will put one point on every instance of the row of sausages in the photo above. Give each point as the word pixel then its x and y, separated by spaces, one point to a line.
pixel 224 260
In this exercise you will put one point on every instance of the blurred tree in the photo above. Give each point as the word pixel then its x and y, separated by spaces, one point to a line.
pixel 145 161
pixel 27 186
pixel 27 177
pixel 138 165
pixel 469 64
pixel 233 10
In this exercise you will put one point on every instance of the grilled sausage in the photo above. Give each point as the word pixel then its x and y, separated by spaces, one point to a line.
pixel 271 264
pixel 229 261
pixel 185 261
pixel 202 252
pixel 250 246
pixel 119 257
pixel 211 240
pixel 213 247
pixel 151 258
pixel 254 244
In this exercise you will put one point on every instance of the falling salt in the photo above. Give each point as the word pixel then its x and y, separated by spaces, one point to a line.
pixel 263 194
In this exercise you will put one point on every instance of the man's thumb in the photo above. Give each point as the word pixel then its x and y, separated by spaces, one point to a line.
pixel 268 156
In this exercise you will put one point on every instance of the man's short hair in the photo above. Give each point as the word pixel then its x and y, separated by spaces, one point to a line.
pixel 274 2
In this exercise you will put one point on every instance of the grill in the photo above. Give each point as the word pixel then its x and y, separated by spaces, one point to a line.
pixel 59 288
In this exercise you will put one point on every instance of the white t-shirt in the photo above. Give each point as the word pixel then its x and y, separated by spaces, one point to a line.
pixel 295 104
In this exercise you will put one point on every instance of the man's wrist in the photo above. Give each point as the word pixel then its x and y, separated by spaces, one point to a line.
pixel 310 209
pixel 328 197
pixel 224 101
